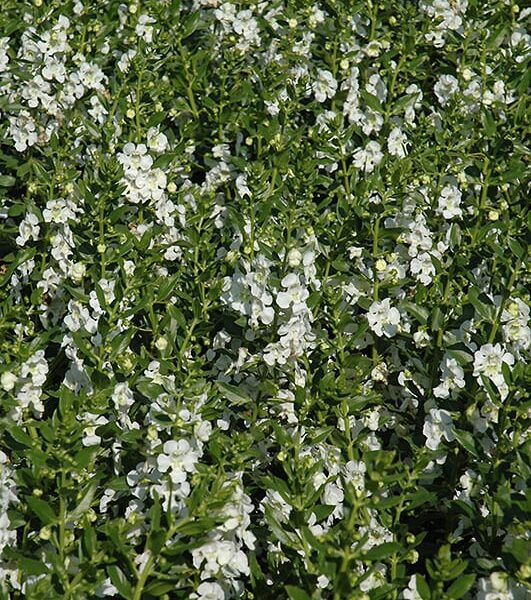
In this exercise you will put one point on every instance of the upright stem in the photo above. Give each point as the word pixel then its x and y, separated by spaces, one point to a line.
pixel 137 594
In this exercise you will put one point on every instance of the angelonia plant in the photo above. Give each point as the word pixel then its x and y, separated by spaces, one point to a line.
pixel 264 300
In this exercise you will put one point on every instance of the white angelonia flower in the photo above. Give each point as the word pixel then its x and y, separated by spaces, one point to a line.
pixel 383 318
pixel 79 317
pixel 58 211
pixel 378 534
pixel 122 397
pixel 208 590
pixel 92 422
pixel 376 86
pixel 355 474
pixel 179 458
pixel 438 425
pixel 274 501
pixel 396 142
pixel 488 361
pixel 498 586
pixel 295 295
pixel 445 88
pixel 411 592
pixel 449 202
pixel 8 380
pixel 272 107
pixel 28 229
pixel 369 157
pixel 36 368
pixel 515 329
pixel 220 557
pixel 242 187
pixel 422 267
pixel 452 378
pixel 157 141
pixel 97 111
pixel 91 76
pixel 134 158
pixel 324 86
pixel 4 56
pixel 8 537
pixel 23 130
pixel 106 588
pixel 144 28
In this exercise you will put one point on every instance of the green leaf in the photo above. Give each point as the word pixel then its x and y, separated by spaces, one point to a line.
pixel 460 586
pixel 422 587
pixel 516 248
pixel 119 580
pixel 383 551
pixel 7 180
pixel 466 440
pixel 87 495
pixel 235 395
pixel 89 540
pixel 29 566
pixel 296 593
pixel 42 509
pixel 20 259
pixel 159 588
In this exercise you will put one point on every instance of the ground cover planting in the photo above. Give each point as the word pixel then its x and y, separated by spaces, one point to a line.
pixel 264 300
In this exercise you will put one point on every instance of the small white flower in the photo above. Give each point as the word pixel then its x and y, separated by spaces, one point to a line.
pixel 445 88
pixel 369 157
pixel 325 86
pixel 383 318
pixel 488 361
pixel 438 424
pixel 8 380
pixel 396 143
pixel 122 397
pixel 449 202
pixel 178 458
pixel 294 296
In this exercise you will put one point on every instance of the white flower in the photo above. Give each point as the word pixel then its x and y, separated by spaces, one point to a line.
pixel 294 296
pixel 488 361
pixel 383 318
pixel 28 229
pixel 220 555
pixel 279 508
pixel 92 421
pixel 369 157
pixel 422 267
pixel 438 424
pixel 144 28
pixel 324 86
pixel 156 141
pixel 445 88
pixel 209 590
pixel 498 586
pixel 122 397
pixel 396 143
pixel 8 380
pixel 411 592
pixel 449 202
pixel 178 458
pixel 452 377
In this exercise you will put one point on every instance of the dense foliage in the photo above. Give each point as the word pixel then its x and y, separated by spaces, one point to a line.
pixel 263 305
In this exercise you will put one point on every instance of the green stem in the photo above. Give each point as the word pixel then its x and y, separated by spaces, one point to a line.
pixel 503 302
pixel 137 594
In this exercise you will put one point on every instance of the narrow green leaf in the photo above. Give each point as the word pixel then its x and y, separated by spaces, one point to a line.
pixel 460 586
pixel 42 509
